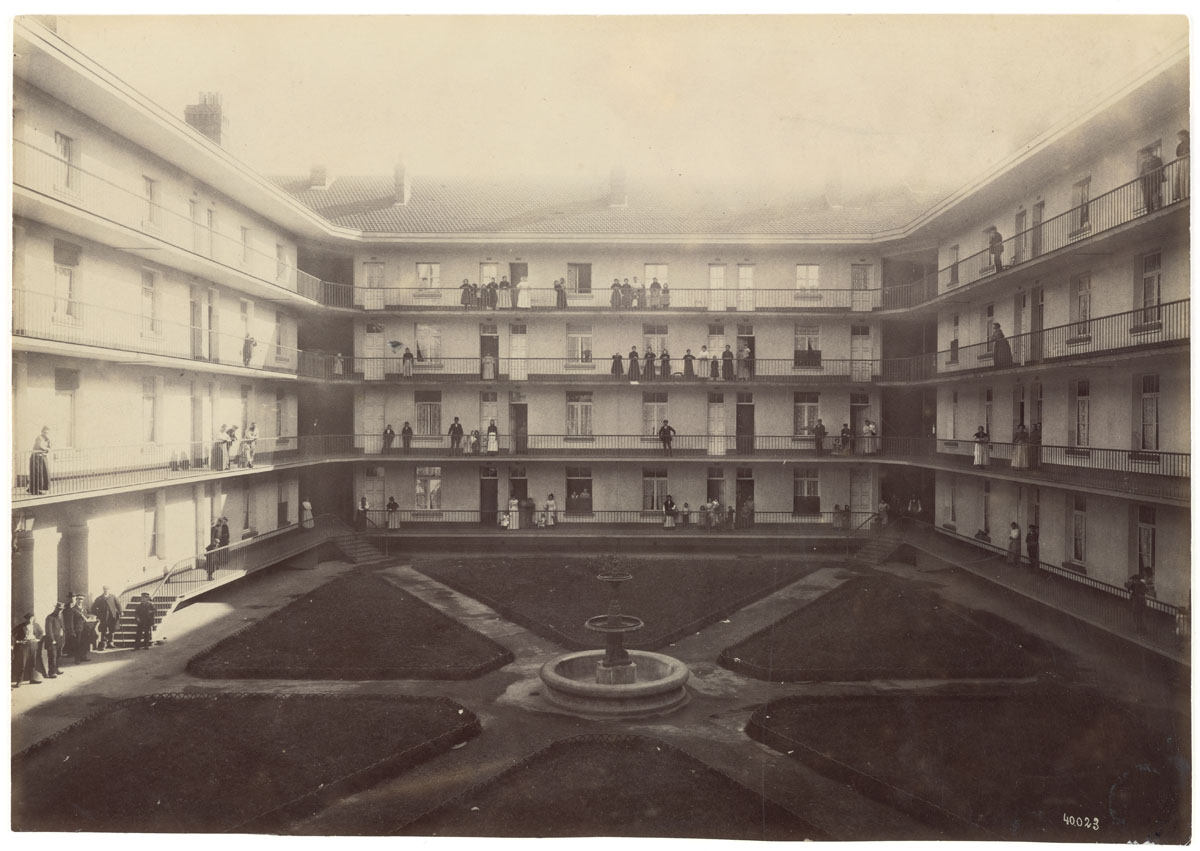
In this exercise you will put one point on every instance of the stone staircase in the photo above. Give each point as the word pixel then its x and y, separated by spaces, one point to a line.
pixel 127 628
pixel 877 548
pixel 358 549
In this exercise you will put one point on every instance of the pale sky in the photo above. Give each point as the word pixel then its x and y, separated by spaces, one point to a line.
pixel 929 100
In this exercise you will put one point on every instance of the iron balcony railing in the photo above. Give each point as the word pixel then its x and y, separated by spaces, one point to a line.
pixel 71 471
pixel 803 521
pixel 1141 196
pixel 146 210
pixel 48 317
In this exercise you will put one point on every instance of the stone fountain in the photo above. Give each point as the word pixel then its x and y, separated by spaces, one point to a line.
pixel 615 682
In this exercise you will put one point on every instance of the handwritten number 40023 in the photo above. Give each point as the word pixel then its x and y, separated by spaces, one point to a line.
pixel 1085 823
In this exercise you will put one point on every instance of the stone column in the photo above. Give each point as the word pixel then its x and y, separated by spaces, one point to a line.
pixel 23 591
pixel 77 561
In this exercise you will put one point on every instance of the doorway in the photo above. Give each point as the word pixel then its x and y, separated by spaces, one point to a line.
pixel 517 271
pixel 860 353
pixel 373 423
pixel 745 337
pixel 518 423
pixel 197 320
pixel 860 287
pixel 745 493
pixel 518 483
pixel 518 348
pixel 745 424
pixel 372 366
pixel 1035 229
pixel 716 424
pixel 214 326
pixel 489 496
pixel 860 409
pixel 1037 311
pixel 860 496
pixel 1019 343
pixel 489 346
pixel 716 287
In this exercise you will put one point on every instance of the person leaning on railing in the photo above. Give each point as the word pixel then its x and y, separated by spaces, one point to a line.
pixel 39 463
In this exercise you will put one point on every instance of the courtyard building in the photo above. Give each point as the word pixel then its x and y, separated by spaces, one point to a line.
pixel 164 293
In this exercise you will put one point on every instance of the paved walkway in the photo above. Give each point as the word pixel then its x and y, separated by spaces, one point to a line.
pixel 517 721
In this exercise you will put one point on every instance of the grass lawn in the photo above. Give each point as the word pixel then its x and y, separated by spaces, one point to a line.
pixel 1015 766
pixel 881 627
pixel 553 596
pixel 359 627
pixel 209 763
pixel 612 786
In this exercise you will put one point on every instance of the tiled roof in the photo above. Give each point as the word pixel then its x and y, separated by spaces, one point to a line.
pixel 564 208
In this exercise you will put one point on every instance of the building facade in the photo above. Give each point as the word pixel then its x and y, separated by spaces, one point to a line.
pixel 162 290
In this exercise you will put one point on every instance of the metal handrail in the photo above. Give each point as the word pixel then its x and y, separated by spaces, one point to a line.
pixel 386 521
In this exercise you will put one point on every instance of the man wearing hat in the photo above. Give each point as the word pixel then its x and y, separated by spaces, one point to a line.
pixel 75 621
pixel 107 610
pixel 144 614
pixel 56 634
pixel 27 652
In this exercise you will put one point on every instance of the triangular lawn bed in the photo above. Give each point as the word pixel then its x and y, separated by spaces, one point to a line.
pixel 358 627
pixel 674 596
pixel 1037 762
pixel 881 627
pixel 612 785
pixel 206 763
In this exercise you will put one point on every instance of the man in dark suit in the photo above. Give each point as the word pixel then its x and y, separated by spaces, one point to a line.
pixel 144 615
pixel 27 652
pixel 56 635
pixel 107 609
pixel 79 631
pixel 456 434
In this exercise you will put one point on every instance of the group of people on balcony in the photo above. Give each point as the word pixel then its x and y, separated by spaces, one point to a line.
pixel 704 367
pixel 223 452
pixel 1026 450
pixel 503 295
pixel 637 296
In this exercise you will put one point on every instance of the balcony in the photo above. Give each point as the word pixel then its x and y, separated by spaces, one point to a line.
pixel 96 470
pixel 53 178
pixel 1142 196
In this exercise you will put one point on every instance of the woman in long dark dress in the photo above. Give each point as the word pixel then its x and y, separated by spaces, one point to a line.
pixel 464 297
pixel 727 364
pixel 664 365
pixel 635 365
pixel 689 368
pixel 618 368
pixel 560 295
pixel 714 366
pixel 626 295
pixel 648 363
pixel 1001 350
pixel 39 463
pixel 615 298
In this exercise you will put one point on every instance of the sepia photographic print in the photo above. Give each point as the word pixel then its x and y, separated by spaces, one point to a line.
pixel 732 427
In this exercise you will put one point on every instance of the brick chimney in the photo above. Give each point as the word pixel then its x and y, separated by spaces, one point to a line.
pixel 617 194
pixel 318 177
pixel 207 117
pixel 402 185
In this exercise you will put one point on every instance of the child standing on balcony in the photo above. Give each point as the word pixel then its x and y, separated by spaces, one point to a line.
pixel 248 441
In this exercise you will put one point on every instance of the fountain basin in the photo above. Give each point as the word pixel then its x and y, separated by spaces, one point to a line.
pixel 571 685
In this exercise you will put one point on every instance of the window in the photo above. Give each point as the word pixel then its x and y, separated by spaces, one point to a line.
pixel 212 231
pixel 279 334
pixel 66 281
pixel 807 346
pixel 247 394
pixel 150 191
pixel 716 485
pixel 987 410
pixel 429 275
pixel 804 413
pixel 952 493
pixel 1151 289
pixel 1081 194
pixel 151 324
pixel 67 177
pixel 655 271
pixel 654 488
pixel 280 407
pixel 150 524
pixel 149 410
pixel 1146 539
pixel 654 411
pixel 62 418
pixel 281 261
pixel 989 318
pixel 245 246
pixel 244 308
pixel 953 339
pixel 428 412
pixel 1082 394
pixel 716 340
pixel 579 343
pixel 953 265
pixel 806 491
pixel 579 490
pixel 429 489
pixel 1150 413
pixel 429 343
pixel 1020 238
pixel 808 277
pixel 1079 528
pixel 745 277
pixel 281 505
pixel 986 505
pixel 1035 403
pixel 953 414
pixel 579 277
pixel 579 414
pixel 489 272
pixel 654 338
pixel 247 507
pixel 1081 303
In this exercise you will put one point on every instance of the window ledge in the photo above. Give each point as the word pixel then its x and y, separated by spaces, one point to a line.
pixel 1146 328
pixel 1075 567
pixel 1079 340
pixel 949 527
pixel 952 361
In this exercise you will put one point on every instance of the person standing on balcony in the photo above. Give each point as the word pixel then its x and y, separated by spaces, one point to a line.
pixel 689 365
pixel 617 370
pixel 523 296
pixel 614 298
pixel 664 365
pixel 56 635
pixel 233 450
pixel 1020 452
pixel 869 432
pixel 639 295
pixel 1151 176
pixel 306 515
pixel 635 366
pixel 406 435
pixel 655 295
pixel 406 363
pixel 1001 350
pixel 490 295
pixel 144 615
pixel 626 295
pixel 666 296
pixel 1014 544
pixel 39 463
pixel 493 439
pixel 249 440
pixel 1035 446
pixel 666 434
pixel 464 294
pixel 743 363
pixel 996 248
pixel 1033 546
pixel 360 514
pixel 456 436
pixel 107 609
pixel 551 508
pixel 669 512
pixel 389 437
pixel 727 364
pixel 223 539
pixel 819 431
pixel 847 440
pixel 393 513
pixel 514 514
pixel 220 457
pixel 488 367
pixel 648 363
pixel 504 294
pixel 1183 151
pixel 703 364
pixel 560 294
pixel 983 450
